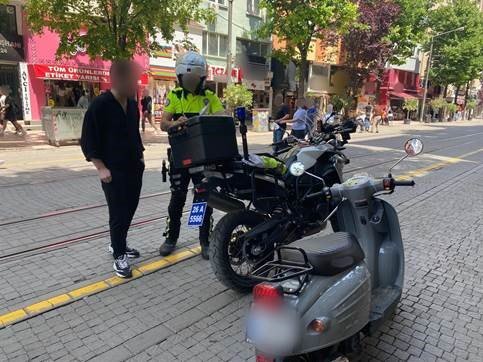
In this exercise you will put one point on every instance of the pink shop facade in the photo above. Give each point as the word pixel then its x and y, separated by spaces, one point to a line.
pixel 48 81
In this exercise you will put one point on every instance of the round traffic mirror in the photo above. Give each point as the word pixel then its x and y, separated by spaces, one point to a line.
pixel 413 147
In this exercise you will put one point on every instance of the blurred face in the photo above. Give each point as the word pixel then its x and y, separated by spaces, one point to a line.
pixel 124 78
pixel 191 81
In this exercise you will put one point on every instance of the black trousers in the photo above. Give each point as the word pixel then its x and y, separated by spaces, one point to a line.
pixel 180 179
pixel 122 195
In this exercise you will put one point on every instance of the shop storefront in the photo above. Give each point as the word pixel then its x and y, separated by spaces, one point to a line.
pixel 60 83
pixel 163 79
pixel 11 52
pixel 397 87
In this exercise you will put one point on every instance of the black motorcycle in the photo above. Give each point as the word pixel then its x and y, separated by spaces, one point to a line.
pixel 266 206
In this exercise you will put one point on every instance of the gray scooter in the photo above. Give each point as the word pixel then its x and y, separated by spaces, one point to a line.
pixel 320 294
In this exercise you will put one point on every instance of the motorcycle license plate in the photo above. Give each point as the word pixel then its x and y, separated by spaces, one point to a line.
pixel 272 333
pixel 197 214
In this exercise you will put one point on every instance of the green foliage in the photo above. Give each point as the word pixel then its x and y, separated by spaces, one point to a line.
pixel 451 107
pixel 117 29
pixel 410 105
pixel 339 103
pixel 237 95
pixel 409 29
pixel 457 56
pixel 471 104
pixel 438 103
pixel 299 22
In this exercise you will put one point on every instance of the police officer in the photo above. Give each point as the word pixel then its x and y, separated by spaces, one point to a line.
pixel 187 100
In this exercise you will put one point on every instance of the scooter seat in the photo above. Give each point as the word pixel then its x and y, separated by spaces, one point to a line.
pixel 329 255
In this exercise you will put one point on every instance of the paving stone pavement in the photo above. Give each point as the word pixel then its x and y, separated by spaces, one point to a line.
pixel 184 314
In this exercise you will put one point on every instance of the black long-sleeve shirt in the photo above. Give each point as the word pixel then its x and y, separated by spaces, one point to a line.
pixel 112 135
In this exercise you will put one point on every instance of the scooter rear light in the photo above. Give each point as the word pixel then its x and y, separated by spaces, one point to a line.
pixel 267 295
pixel 262 358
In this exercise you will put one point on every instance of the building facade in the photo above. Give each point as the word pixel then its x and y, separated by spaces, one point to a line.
pixel 12 52
pixel 250 56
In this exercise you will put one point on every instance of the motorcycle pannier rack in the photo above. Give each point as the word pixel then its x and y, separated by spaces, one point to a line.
pixel 280 269
pixel 205 140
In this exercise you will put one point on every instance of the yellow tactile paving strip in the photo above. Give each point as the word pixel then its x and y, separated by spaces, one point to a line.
pixel 96 287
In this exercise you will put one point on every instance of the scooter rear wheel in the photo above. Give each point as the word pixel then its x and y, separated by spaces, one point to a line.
pixel 223 244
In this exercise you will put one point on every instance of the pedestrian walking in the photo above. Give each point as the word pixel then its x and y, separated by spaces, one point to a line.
pixel 111 141
pixel 376 119
pixel 146 107
pixel 2 107
pixel 10 110
pixel 299 123
pixel 390 115
pixel 282 115
pixel 83 101
pixel 188 100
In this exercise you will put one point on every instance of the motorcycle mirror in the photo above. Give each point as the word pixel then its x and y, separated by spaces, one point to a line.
pixel 413 147
pixel 297 169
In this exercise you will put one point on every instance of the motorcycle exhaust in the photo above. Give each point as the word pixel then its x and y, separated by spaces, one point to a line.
pixel 224 203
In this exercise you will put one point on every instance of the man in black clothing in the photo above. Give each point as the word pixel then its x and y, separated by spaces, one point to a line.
pixel 111 140
pixel 146 107
pixel 282 115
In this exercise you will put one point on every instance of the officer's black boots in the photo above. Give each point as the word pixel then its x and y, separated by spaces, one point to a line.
pixel 205 251
pixel 167 248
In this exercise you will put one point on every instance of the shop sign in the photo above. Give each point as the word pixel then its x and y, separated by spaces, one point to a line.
pixel 218 73
pixel 11 48
pixel 254 84
pixel 25 90
pixel 59 72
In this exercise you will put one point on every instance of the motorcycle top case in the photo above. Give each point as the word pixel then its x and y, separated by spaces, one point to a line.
pixel 205 140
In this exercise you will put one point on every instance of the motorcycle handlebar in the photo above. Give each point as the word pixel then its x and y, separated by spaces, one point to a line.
pixel 404 183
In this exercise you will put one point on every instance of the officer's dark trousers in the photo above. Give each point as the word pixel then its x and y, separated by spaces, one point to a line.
pixel 180 179
pixel 122 195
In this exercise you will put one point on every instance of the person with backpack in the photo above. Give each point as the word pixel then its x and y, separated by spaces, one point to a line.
pixel 10 114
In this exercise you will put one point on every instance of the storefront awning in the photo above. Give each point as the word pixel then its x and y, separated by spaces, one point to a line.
pixel 162 73
pixel 403 95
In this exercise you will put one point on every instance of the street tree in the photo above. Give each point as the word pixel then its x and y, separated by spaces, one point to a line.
pixel 298 23
pixel 457 56
pixel 112 29
pixel 386 31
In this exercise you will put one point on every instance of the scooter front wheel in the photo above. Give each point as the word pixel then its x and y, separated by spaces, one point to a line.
pixel 230 263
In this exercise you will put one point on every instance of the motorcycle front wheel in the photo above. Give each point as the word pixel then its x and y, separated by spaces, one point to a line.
pixel 230 263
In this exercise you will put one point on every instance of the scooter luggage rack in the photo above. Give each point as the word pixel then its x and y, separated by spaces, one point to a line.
pixel 280 269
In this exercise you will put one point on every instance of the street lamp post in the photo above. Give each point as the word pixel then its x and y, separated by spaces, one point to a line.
pixel 428 68
pixel 229 54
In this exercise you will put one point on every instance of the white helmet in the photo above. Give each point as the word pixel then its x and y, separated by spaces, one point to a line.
pixel 192 62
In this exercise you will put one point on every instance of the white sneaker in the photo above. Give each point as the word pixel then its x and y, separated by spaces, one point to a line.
pixel 122 267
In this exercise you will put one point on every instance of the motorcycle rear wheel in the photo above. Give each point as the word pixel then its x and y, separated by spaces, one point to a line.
pixel 223 238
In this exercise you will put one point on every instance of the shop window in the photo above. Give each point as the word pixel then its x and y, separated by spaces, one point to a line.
pixel 253 7
pixel 251 47
pixel 8 16
pixel 215 44
pixel 219 2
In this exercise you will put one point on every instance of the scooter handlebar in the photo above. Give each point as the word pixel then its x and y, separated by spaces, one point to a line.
pixel 338 192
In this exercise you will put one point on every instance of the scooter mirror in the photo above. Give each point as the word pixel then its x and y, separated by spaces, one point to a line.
pixel 413 147
pixel 297 169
